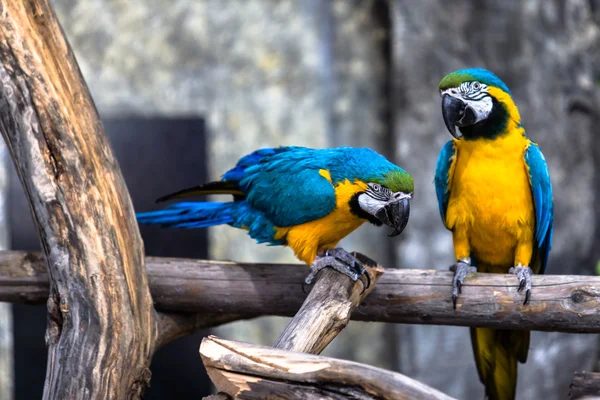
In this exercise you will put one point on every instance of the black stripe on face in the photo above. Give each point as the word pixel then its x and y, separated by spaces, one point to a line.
pixel 360 213
pixel 378 196
pixel 378 192
pixel 477 97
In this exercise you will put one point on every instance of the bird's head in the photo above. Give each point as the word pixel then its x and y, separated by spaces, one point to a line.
pixel 478 103
pixel 386 200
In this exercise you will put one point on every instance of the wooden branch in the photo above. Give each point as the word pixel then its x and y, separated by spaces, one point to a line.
pixel 101 322
pixel 250 371
pixel 566 303
pixel 326 310
pixel 173 326
pixel 585 385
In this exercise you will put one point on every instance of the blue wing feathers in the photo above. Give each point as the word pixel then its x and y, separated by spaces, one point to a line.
pixel 282 187
pixel 442 171
pixel 541 189
pixel 238 172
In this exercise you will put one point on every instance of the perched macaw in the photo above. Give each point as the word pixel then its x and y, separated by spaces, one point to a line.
pixel 303 198
pixel 495 195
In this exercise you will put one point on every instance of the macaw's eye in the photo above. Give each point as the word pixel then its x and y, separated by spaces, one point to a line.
pixel 476 85
pixel 376 187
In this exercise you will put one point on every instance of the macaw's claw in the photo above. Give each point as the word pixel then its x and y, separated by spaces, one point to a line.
pixel 523 274
pixel 343 262
pixel 460 269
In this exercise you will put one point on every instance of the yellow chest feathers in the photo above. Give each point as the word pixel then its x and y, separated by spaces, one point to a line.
pixel 490 196
pixel 310 237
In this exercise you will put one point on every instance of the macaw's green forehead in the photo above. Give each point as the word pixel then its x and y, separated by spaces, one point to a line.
pixel 397 181
pixel 473 74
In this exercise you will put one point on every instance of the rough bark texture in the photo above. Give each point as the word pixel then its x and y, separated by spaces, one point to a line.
pixel 568 303
pixel 101 326
pixel 250 371
pixel 585 385
pixel 326 311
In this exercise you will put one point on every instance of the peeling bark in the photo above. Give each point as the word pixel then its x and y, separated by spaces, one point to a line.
pixel 101 323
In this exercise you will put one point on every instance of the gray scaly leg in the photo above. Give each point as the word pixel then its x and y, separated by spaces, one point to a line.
pixel 460 269
pixel 523 274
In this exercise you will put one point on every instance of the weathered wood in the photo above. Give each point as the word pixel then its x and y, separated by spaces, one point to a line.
pixel 250 371
pixel 326 310
pixel 101 326
pixel 585 385
pixel 566 303
pixel 218 396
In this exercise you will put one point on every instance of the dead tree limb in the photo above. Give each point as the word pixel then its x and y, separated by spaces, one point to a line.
pixel 326 311
pixel 252 372
pixel 585 385
pixel 102 327
pixel 565 303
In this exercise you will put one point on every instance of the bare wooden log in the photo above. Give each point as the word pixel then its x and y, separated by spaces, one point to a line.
pixel 565 303
pixel 101 323
pixel 250 371
pixel 326 310
pixel 585 385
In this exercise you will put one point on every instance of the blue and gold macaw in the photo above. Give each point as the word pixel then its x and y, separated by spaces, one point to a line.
pixel 495 195
pixel 303 198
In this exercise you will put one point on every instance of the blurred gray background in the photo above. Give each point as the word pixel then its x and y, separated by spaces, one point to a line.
pixel 362 73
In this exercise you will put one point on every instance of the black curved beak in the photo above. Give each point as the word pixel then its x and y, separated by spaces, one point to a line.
pixel 395 214
pixel 453 110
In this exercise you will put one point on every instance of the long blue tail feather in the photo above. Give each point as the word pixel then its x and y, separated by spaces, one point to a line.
pixel 189 215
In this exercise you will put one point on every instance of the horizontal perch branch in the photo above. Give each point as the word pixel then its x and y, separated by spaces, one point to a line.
pixel 559 302
pixel 254 372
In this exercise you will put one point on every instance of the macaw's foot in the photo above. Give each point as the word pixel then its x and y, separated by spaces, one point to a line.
pixel 460 269
pixel 342 261
pixel 523 274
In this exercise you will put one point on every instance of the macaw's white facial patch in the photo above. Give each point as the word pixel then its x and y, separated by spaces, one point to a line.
pixel 377 197
pixel 475 95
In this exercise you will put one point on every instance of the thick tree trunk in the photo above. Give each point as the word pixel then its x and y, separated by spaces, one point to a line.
pixel 101 323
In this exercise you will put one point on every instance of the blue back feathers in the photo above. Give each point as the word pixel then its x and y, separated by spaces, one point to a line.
pixel 282 186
